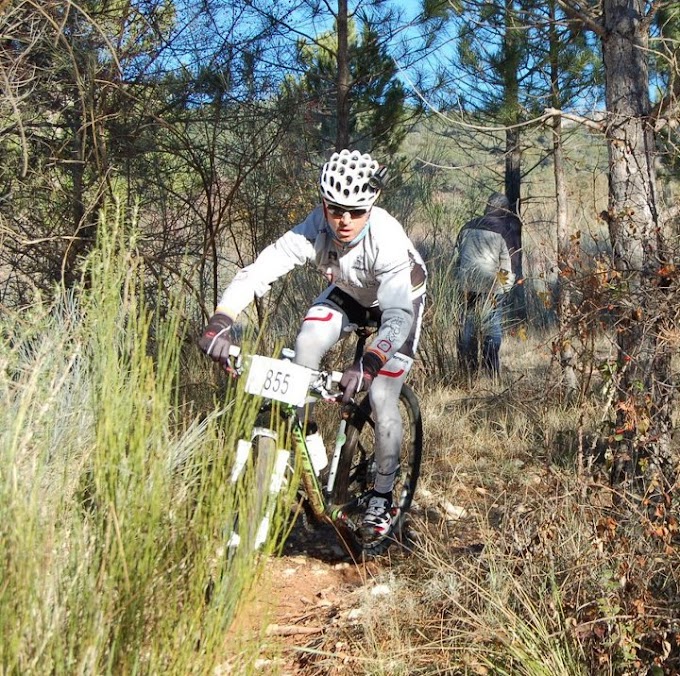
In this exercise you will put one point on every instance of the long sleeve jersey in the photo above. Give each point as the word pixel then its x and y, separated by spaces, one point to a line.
pixel 382 269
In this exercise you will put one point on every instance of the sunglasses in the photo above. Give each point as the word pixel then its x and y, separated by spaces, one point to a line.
pixel 339 212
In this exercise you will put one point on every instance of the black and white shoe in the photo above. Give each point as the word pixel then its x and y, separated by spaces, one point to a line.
pixel 377 519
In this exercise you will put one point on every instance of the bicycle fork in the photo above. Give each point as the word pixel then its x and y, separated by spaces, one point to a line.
pixel 317 496
pixel 309 480
pixel 244 450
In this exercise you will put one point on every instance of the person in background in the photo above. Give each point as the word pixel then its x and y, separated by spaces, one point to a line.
pixel 486 265
pixel 374 272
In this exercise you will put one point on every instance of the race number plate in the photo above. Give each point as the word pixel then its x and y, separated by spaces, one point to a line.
pixel 278 379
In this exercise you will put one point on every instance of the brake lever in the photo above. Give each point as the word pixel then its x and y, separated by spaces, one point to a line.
pixel 234 365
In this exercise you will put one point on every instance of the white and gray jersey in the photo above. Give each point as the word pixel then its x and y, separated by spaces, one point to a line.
pixel 383 269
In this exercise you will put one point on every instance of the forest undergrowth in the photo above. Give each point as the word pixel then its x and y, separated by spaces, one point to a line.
pixel 117 504
pixel 521 558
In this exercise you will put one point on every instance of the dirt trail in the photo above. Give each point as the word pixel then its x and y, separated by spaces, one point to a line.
pixel 305 617
pixel 306 597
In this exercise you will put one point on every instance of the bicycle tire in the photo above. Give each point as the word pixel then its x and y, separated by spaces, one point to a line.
pixel 356 467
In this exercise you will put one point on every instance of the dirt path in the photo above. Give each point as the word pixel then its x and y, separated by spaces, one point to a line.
pixel 305 617
pixel 308 595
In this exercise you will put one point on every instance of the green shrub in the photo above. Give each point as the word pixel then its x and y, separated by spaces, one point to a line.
pixel 114 508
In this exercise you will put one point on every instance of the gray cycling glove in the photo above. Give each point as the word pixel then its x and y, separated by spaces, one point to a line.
pixel 359 376
pixel 216 338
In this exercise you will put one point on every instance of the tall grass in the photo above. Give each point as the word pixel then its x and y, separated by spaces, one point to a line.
pixel 114 509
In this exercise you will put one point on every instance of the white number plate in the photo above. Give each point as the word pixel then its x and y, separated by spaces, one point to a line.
pixel 277 379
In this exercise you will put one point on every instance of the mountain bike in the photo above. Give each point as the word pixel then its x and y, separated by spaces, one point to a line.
pixel 337 495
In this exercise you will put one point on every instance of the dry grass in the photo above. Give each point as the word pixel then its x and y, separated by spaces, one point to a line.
pixel 114 507
pixel 521 563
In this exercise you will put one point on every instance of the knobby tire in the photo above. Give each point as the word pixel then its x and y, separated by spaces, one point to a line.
pixel 355 478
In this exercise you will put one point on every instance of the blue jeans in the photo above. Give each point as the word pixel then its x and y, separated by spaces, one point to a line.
pixel 481 316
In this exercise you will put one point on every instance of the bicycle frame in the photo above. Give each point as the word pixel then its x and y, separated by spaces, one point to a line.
pixel 318 496
pixel 308 477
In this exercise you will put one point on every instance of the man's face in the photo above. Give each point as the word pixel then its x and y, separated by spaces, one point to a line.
pixel 346 223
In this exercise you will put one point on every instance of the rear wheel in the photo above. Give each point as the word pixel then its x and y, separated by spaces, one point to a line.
pixel 357 469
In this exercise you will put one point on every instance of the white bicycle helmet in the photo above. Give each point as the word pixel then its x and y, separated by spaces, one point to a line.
pixel 346 180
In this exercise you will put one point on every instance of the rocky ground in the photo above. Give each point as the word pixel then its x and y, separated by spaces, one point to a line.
pixel 309 593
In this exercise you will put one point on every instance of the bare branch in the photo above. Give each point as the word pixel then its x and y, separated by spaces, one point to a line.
pixel 574 11
pixel 585 121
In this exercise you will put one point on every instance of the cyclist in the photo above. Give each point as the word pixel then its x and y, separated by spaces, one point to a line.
pixel 374 272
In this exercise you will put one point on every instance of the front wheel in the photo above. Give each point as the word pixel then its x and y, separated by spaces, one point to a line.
pixel 357 469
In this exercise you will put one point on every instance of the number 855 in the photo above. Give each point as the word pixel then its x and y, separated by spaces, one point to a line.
pixel 275 381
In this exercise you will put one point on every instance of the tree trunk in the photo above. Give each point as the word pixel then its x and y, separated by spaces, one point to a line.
pixel 342 136
pixel 83 226
pixel 566 350
pixel 513 179
pixel 512 56
pixel 564 311
pixel 644 402
pixel 513 166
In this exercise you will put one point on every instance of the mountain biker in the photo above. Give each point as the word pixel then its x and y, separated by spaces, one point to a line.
pixel 374 272
pixel 486 262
